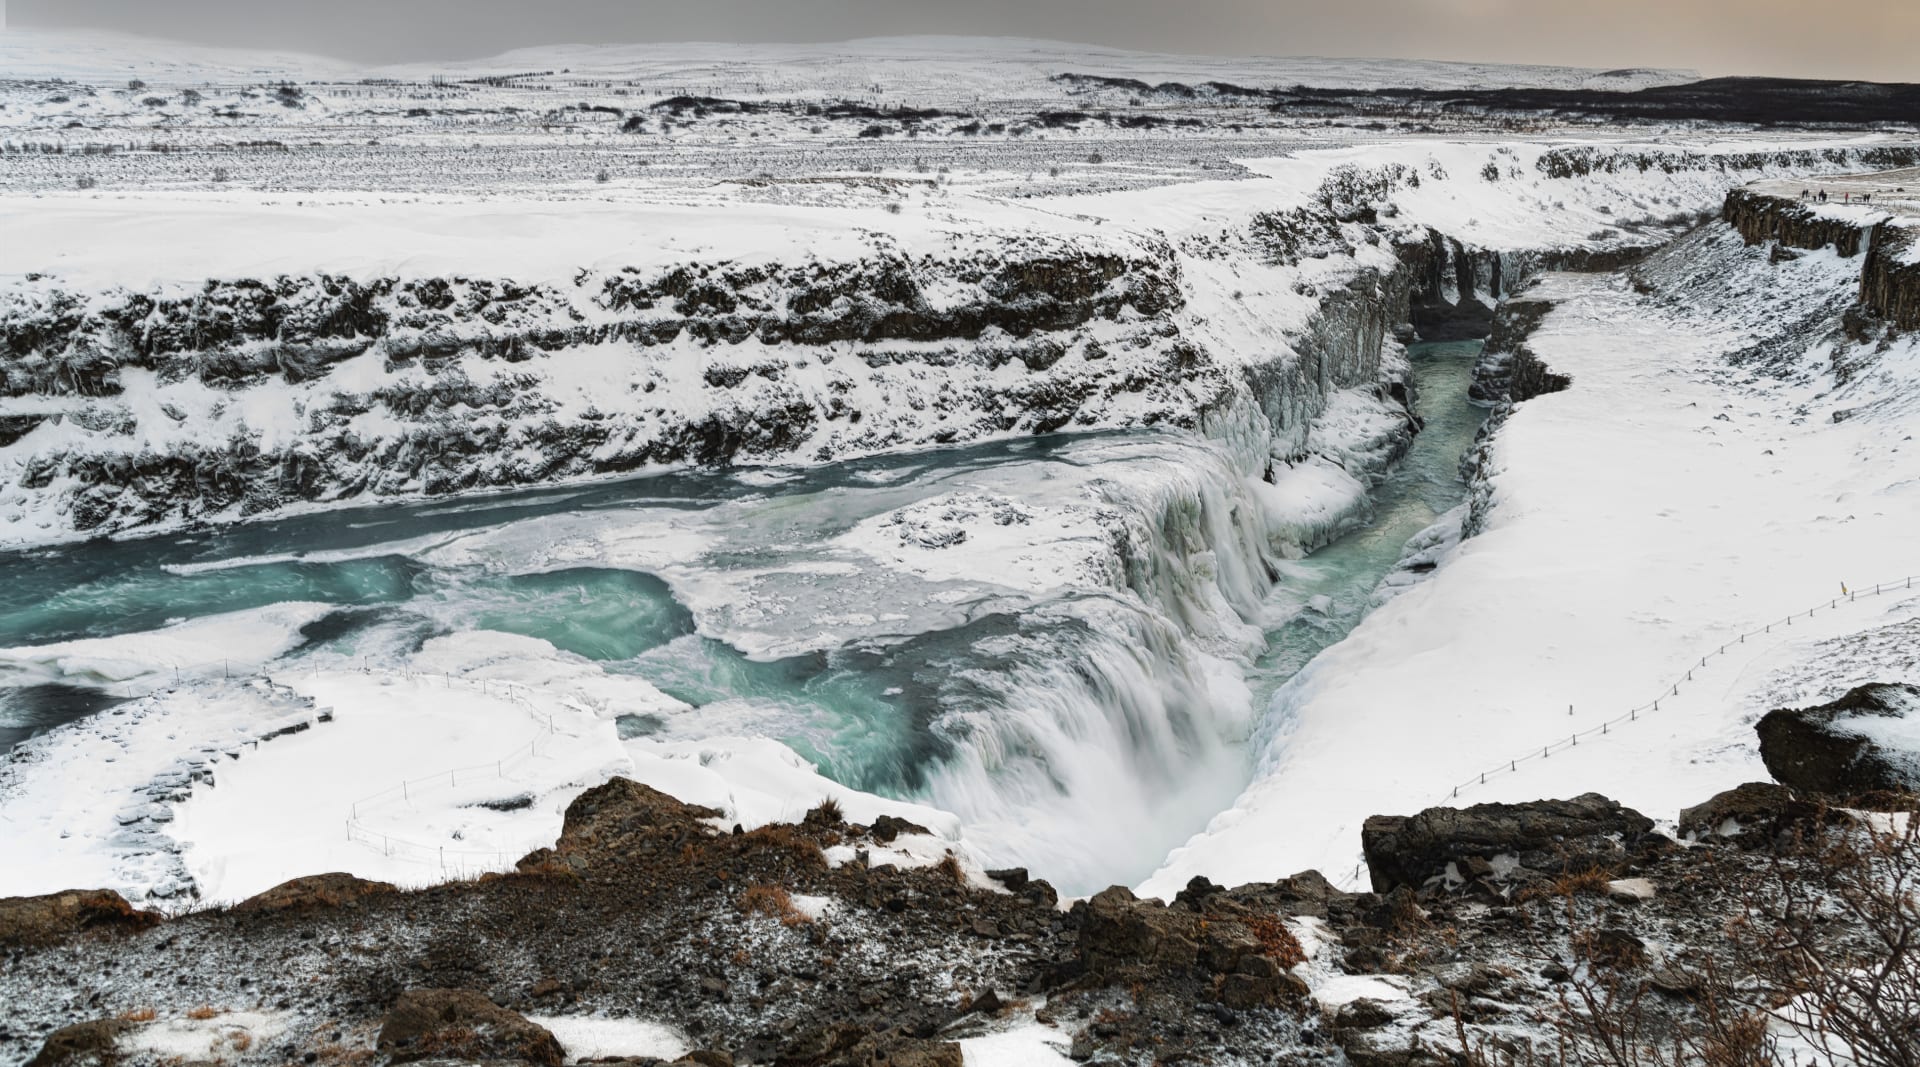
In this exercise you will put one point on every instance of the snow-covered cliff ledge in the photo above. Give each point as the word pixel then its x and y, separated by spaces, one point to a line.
pixel 186 357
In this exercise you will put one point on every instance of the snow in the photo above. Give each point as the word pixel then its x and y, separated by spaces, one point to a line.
pixel 290 807
pixel 1030 1045
pixel 216 1039
pixel 1642 519
pixel 592 1037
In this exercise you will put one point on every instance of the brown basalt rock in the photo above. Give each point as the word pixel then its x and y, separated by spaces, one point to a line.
pixel 54 916
pixel 462 1024
pixel 334 890
pixel 82 1045
pixel 616 819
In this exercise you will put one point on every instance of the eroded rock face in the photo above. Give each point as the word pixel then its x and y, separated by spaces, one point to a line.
pixel 461 1024
pixel 1548 837
pixel 1849 747
pixel 54 916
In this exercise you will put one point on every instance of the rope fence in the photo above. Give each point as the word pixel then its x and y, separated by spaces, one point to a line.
pixel 1672 690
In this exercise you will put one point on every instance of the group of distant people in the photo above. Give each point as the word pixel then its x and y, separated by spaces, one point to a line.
pixel 1845 198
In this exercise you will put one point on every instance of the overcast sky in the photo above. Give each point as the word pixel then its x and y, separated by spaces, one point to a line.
pixel 1876 39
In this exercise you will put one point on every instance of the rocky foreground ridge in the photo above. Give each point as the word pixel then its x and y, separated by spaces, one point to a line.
pixel 1496 933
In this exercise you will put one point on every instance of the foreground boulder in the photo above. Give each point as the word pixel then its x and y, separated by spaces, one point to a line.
pixel 82 1045
pixel 1243 953
pixel 1547 837
pixel 1751 815
pixel 464 1025
pixel 620 820
pixel 45 919
pixel 849 1045
pixel 1867 741
pixel 334 890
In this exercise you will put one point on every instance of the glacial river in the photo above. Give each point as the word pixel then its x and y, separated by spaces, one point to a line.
pixel 1066 641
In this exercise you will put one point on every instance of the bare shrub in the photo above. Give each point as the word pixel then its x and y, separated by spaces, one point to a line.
pixel 1832 930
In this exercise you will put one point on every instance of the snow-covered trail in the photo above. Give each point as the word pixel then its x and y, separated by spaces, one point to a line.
pixel 1652 512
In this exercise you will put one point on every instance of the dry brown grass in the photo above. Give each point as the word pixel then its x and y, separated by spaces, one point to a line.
pixel 202 1013
pixel 774 902
pixel 1591 882
pixel 1277 943
pixel 950 869
pixel 787 838
pixel 139 1015
pixel 239 1040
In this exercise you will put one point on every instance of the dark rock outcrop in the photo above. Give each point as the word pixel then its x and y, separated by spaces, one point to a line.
pixel 1825 750
pixel 1761 217
pixel 1890 280
pixel 1751 815
pixel 1889 274
pixel 1507 369
pixel 334 890
pixel 847 1045
pixel 54 916
pixel 1243 952
pixel 89 1044
pixel 461 1024
pixel 618 820
pixel 1546 837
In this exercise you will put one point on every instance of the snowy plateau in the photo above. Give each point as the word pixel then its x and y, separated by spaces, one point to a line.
pixel 1072 464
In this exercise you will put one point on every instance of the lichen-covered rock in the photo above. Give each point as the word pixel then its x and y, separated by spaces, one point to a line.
pixel 461 1024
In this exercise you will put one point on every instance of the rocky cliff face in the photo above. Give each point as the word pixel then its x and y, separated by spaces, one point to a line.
pixel 1889 272
pixel 1761 217
pixel 1890 279
pixel 129 408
